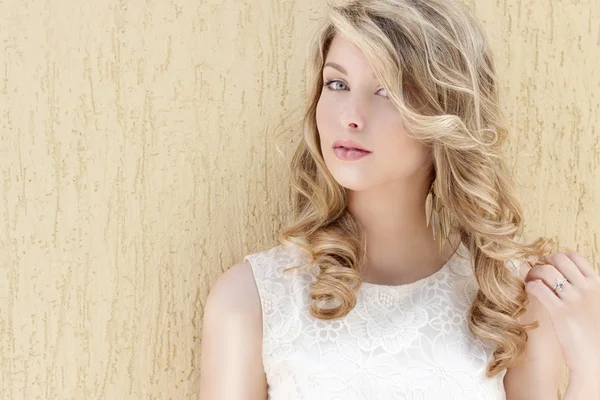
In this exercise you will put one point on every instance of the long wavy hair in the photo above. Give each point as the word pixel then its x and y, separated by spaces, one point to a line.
pixel 434 61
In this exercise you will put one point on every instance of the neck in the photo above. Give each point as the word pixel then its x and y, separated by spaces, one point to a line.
pixel 400 247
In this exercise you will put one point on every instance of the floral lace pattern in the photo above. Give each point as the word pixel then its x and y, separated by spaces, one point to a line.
pixel 408 342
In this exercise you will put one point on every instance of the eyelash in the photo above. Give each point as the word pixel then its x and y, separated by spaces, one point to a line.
pixel 330 81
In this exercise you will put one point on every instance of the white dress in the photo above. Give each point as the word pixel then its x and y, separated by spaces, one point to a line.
pixel 403 342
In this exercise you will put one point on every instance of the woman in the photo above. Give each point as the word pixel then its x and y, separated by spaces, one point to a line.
pixel 398 277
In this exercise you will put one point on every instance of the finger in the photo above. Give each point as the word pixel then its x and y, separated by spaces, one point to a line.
pixel 549 275
pixel 582 264
pixel 567 268
pixel 546 272
pixel 544 294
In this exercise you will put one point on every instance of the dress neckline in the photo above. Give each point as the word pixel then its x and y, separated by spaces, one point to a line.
pixel 423 281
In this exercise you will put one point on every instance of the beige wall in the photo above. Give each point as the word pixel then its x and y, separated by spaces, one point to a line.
pixel 139 161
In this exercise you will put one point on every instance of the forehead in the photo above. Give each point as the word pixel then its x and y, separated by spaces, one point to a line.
pixel 351 58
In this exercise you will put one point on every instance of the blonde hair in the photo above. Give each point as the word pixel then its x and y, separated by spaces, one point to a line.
pixel 434 61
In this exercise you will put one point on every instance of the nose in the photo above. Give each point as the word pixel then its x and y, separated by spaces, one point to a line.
pixel 354 115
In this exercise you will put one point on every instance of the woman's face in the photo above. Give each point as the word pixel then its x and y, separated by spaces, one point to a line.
pixel 354 106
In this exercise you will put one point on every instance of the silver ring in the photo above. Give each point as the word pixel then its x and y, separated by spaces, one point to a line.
pixel 558 285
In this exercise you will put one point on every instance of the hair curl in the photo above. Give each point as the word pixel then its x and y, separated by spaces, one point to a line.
pixel 433 59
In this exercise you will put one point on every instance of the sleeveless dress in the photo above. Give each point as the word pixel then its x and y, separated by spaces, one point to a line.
pixel 405 342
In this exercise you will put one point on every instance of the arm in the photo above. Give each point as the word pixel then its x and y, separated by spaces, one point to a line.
pixel 231 354
pixel 583 387
pixel 538 375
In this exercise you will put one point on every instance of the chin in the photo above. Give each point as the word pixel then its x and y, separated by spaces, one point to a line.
pixel 351 181
pixel 351 177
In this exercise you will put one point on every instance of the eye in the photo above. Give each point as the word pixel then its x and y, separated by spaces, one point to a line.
pixel 382 90
pixel 331 85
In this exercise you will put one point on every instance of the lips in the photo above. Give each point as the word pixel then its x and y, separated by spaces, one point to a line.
pixel 349 145
pixel 345 154
pixel 351 148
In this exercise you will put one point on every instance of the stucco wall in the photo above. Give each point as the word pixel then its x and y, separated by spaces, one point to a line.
pixel 138 159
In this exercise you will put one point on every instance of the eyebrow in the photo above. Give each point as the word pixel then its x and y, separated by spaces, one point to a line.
pixel 339 68
pixel 336 66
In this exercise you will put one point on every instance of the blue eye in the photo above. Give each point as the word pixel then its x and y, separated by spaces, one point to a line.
pixel 330 85
pixel 331 81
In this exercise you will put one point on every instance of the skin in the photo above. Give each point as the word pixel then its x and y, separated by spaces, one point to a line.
pixel 395 177
pixel 574 313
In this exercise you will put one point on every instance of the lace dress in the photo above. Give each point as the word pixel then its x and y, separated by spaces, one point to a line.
pixel 403 342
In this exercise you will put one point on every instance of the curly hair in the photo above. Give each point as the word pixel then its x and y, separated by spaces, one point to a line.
pixel 433 59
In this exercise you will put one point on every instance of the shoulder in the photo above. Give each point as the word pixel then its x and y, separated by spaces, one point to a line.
pixel 234 292
pixel 237 292
pixel 272 264
pixel 232 336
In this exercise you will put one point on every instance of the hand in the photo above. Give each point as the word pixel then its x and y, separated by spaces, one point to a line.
pixel 574 310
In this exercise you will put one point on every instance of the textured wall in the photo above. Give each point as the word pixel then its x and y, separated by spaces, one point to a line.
pixel 139 160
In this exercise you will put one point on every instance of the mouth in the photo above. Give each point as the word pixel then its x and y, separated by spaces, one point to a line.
pixel 349 145
pixel 352 148
pixel 349 154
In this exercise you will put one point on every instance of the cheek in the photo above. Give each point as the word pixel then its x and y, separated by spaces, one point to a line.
pixel 319 113
pixel 324 116
pixel 391 137
pixel 394 143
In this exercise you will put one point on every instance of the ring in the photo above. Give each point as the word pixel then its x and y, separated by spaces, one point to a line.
pixel 558 285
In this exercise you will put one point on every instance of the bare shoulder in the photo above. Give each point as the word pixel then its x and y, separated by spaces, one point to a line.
pixel 232 338
pixel 235 290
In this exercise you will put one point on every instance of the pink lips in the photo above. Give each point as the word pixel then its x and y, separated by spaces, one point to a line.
pixel 349 150
pixel 349 154
pixel 349 144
